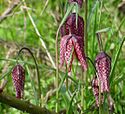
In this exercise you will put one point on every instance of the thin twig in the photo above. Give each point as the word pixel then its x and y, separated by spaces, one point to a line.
pixel 22 105
pixel 9 10
pixel 47 1
pixel 39 35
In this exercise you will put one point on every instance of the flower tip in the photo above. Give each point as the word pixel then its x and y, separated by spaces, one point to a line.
pixel 85 68
pixel 79 2
pixel 18 97
pixel 1 90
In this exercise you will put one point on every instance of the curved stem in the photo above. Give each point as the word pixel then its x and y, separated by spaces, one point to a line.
pixel 37 69
pixel 99 41
pixel 92 64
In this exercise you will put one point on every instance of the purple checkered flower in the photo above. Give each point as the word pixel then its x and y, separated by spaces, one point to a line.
pixel 95 89
pixel 70 45
pixel 80 2
pixel 103 67
pixel 18 77
pixel 72 41
pixel 69 27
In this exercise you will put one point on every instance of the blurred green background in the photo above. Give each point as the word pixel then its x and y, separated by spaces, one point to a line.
pixel 17 31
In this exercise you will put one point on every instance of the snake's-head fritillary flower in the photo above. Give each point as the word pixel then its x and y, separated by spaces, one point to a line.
pixel 18 77
pixel 95 89
pixel 80 2
pixel 103 67
pixel 70 45
pixel 70 26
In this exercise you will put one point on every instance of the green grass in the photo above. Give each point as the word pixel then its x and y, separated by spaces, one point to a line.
pixel 18 31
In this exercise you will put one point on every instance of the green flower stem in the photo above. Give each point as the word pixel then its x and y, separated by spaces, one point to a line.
pixel 84 75
pixel 82 93
pixel 67 84
pixel 57 70
pixel 86 23
pixel 99 97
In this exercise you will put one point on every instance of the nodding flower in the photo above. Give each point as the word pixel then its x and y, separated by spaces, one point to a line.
pixel 103 68
pixel 72 42
pixel 95 89
pixel 18 77
pixel 70 45
pixel 79 2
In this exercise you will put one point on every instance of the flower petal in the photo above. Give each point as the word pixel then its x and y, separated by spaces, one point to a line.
pixel 95 89
pixel 63 48
pixel 78 45
pixel 69 54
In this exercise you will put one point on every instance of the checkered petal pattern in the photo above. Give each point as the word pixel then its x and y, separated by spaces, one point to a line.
pixel 103 67
pixel 70 45
pixel 69 27
pixel 80 2
pixel 72 41
pixel 80 53
pixel 18 77
pixel 95 89
pixel 63 49
pixel 69 53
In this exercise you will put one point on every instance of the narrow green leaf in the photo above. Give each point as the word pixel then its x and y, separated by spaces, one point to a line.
pixel 76 11
pixel 66 15
pixel 6 74
pixel 93 9
pixel 116 59
pixel 118 80
pixel 104 30
pixel 69 111
pixel 33 86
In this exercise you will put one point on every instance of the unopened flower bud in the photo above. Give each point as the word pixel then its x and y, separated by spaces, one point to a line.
pixel 18 77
